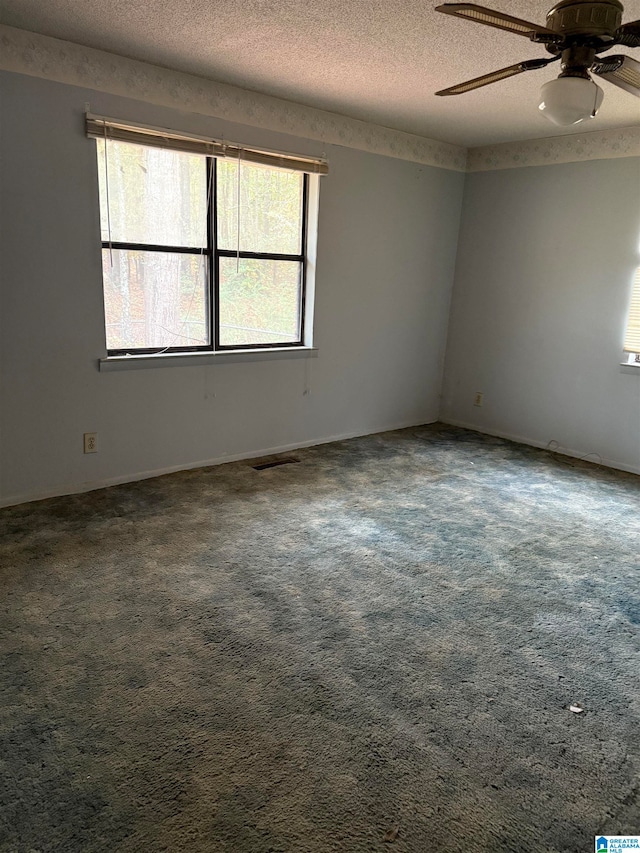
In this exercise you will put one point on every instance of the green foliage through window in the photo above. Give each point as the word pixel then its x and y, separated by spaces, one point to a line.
pixel 164 275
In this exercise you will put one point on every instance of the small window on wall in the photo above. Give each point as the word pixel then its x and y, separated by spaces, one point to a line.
pixel 205 245
pixel 632 333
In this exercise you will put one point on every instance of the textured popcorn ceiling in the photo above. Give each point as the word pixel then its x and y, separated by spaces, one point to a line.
pixel 376 61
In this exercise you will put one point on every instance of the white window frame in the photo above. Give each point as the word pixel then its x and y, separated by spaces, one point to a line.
pixel 632 327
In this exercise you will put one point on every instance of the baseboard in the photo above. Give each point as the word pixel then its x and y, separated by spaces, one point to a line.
pixel 92 485
pixel 532 442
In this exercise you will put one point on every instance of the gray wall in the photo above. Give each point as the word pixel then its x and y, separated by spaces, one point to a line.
pixel 387 242
pixel 543 281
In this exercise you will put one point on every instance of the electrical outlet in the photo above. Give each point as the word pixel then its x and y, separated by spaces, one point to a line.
pixel 91 442
pixel 477 400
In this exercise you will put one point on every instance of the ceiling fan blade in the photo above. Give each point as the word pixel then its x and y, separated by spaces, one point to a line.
pixel 495 76
pixel 622 71
pixel 502 21
pixel 629 34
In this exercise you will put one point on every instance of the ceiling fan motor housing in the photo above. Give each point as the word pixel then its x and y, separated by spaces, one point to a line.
pixel 586 18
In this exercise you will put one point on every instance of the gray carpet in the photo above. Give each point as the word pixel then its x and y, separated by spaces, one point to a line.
pixel 380 640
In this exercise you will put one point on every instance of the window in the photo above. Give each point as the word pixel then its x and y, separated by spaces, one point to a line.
pixel 632 334
pixel 204 244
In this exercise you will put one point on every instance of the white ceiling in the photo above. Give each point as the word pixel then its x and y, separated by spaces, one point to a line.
pixel 369 59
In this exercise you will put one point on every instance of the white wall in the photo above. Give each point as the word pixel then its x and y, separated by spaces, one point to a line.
pixel 543 281
pixel 387 242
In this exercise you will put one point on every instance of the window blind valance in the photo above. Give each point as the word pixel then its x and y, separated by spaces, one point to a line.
pixel 632 335
pixel 100 127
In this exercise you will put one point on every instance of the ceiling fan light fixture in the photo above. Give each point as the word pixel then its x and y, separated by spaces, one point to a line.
pixel 570 100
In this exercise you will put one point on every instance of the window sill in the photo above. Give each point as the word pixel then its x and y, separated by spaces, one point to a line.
pixel 630 367
pixel 181 359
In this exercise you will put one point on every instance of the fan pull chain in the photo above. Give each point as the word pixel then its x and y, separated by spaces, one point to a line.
pixel 595 100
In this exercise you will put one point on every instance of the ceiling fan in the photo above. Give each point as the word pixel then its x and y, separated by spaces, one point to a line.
pixel 576 32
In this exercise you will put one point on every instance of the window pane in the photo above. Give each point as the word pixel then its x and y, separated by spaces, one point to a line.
pixel 270 208
pixel 259 301
pixel 154 299
pixel 156 196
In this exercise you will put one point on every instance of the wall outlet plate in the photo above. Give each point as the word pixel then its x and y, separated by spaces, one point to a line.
pixel 91 442
pixel 477 400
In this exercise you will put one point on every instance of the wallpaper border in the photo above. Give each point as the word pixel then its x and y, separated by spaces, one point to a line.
pixel 36 55
pixel 573 148
pixel 65 62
